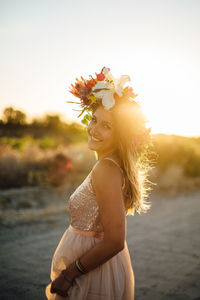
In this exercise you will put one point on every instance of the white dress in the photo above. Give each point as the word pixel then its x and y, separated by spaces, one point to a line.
pixel 113 280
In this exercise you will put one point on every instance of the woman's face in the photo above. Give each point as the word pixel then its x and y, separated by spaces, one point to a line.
pixel 101 132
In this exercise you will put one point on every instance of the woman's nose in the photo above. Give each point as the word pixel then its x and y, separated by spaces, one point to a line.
pixel 94 130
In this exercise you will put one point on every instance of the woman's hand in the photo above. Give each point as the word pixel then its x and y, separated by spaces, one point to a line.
pixel 60 286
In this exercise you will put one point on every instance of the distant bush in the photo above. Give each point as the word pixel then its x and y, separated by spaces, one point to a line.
pixel 178 150
pixel 47 161
pixel 33 167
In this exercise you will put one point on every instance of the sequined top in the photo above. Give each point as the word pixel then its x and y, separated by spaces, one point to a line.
pixel 83 207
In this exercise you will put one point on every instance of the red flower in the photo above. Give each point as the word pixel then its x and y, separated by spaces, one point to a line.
pixel 78 85
pixel 82 79
pixel 91 83
pixel 100 76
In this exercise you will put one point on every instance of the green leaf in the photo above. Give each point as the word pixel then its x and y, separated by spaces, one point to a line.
pixel 88 117
pixel 82 112
pixel 73 102
pixel 84 121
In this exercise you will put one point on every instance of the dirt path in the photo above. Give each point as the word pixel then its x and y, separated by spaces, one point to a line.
pixel 163 244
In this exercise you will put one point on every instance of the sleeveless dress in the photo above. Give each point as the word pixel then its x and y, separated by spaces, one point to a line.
pixel 113 280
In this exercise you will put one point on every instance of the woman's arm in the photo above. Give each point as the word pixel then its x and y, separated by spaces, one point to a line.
pixel 107 183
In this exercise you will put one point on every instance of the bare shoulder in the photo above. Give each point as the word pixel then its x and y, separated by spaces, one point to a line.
pixel 106 174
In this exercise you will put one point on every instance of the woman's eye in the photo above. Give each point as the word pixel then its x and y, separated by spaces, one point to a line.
pixel 105 126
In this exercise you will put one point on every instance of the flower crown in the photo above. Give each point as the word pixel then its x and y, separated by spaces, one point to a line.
pixel 105 90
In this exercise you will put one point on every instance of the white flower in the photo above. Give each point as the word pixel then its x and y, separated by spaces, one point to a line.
pixel 108 100
pixel 108 87
pixel 108 74
pixel 105 71
pixel 101 85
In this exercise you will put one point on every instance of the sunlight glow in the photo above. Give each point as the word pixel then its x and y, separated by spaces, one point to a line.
pixel 159 51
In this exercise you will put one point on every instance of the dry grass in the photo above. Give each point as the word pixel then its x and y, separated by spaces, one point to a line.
pixel 177 165
pixel 40 167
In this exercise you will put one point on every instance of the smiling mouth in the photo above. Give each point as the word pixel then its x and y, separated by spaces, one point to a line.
pixel 94 139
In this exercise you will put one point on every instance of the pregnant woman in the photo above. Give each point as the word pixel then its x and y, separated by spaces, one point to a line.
pixel 92 260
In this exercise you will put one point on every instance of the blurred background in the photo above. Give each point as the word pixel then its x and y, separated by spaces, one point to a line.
pixel 44 156
pixel 43 161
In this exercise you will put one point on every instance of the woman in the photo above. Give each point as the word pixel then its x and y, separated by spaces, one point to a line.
pixel 92 259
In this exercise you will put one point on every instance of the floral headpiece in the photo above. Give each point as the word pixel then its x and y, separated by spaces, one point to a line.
pixel 104 88
pixel 107 90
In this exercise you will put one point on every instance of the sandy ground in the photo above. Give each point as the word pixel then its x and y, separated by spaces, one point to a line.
pixel 163 244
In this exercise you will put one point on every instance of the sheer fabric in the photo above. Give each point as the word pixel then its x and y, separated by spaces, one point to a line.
pixel 113 280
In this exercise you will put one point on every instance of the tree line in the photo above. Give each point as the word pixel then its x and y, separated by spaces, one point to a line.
pixel 14 124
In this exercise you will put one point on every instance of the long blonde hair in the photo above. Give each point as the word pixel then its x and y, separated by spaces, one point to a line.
pixel 130 122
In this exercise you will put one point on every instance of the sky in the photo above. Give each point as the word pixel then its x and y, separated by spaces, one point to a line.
pixel 46 44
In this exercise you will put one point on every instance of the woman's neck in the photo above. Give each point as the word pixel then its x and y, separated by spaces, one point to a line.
pixel 101 156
